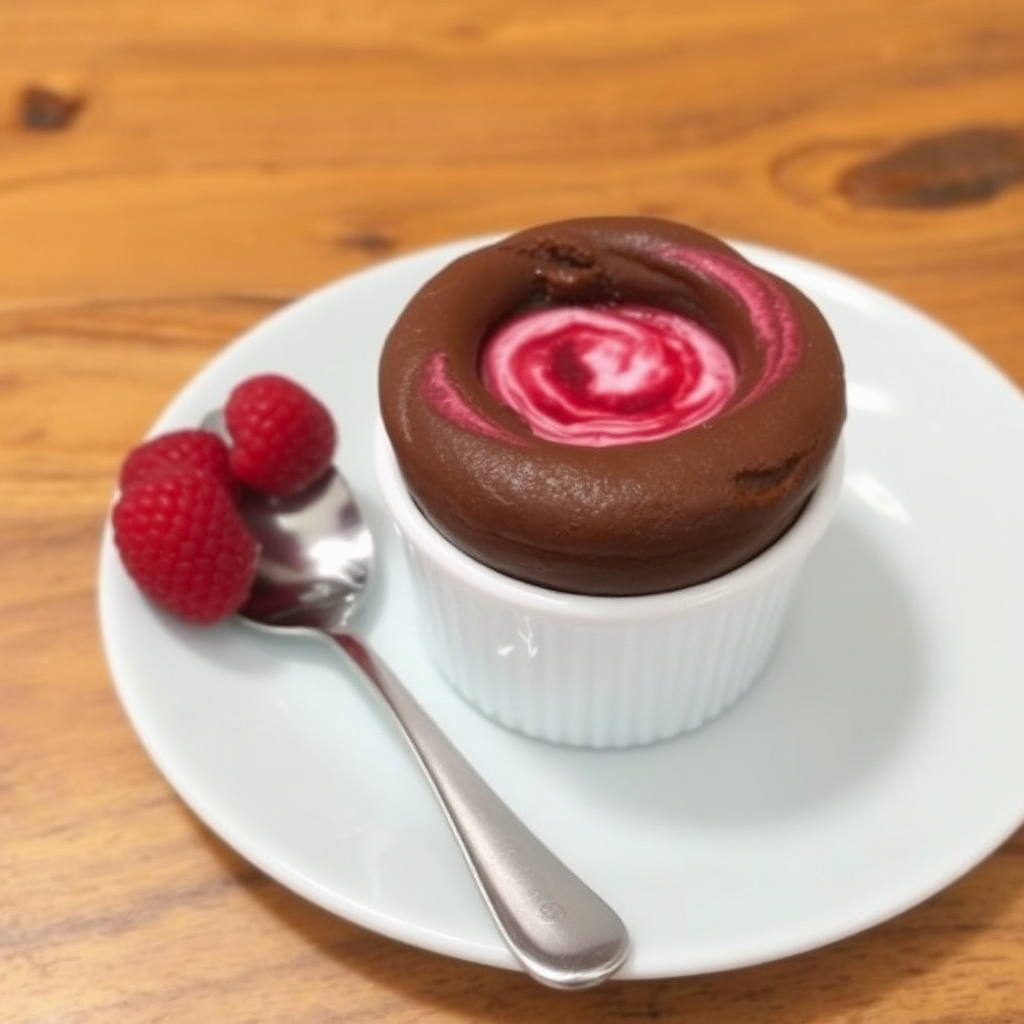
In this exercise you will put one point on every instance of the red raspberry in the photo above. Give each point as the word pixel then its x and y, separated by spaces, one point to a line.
pixel 282 437
pixel 191 449
pixel 185 544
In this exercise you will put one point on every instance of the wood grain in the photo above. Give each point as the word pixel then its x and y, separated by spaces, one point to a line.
pixel 171 173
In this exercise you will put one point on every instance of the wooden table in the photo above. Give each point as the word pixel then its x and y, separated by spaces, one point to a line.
pixel 171 173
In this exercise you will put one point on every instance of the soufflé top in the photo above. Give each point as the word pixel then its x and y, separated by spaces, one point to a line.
pixel 611 405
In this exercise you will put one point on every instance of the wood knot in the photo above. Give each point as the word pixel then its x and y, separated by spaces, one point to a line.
pixel 41 109
pixel 374 243
pixel 968 165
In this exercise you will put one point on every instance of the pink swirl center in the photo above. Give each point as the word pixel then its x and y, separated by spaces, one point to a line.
pixel 607 375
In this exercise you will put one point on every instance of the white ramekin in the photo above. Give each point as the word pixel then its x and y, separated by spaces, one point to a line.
pixel 598 671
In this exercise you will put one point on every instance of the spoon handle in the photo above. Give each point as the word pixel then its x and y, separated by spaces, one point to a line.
pixel 561 931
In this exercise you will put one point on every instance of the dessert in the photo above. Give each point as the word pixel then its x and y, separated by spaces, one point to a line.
pixel 611 406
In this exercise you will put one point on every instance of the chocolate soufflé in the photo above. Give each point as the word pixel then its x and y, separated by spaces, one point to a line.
pixel 612 405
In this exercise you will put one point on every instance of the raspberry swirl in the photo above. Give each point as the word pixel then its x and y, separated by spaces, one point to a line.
pixel 613 374
pixel 607 375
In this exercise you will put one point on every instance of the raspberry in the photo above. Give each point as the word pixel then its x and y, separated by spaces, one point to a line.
pixel 193 449
pixel 282 437
pixel 185 544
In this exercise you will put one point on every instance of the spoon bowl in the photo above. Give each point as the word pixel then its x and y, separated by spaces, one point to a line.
pixel 315 563
pixel 316 556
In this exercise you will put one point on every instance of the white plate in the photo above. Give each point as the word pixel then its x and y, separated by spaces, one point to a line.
pixel 878 759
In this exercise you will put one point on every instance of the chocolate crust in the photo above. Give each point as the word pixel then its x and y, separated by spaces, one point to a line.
pixel 619 520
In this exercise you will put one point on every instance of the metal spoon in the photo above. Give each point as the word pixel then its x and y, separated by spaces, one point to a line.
pixel 316 553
